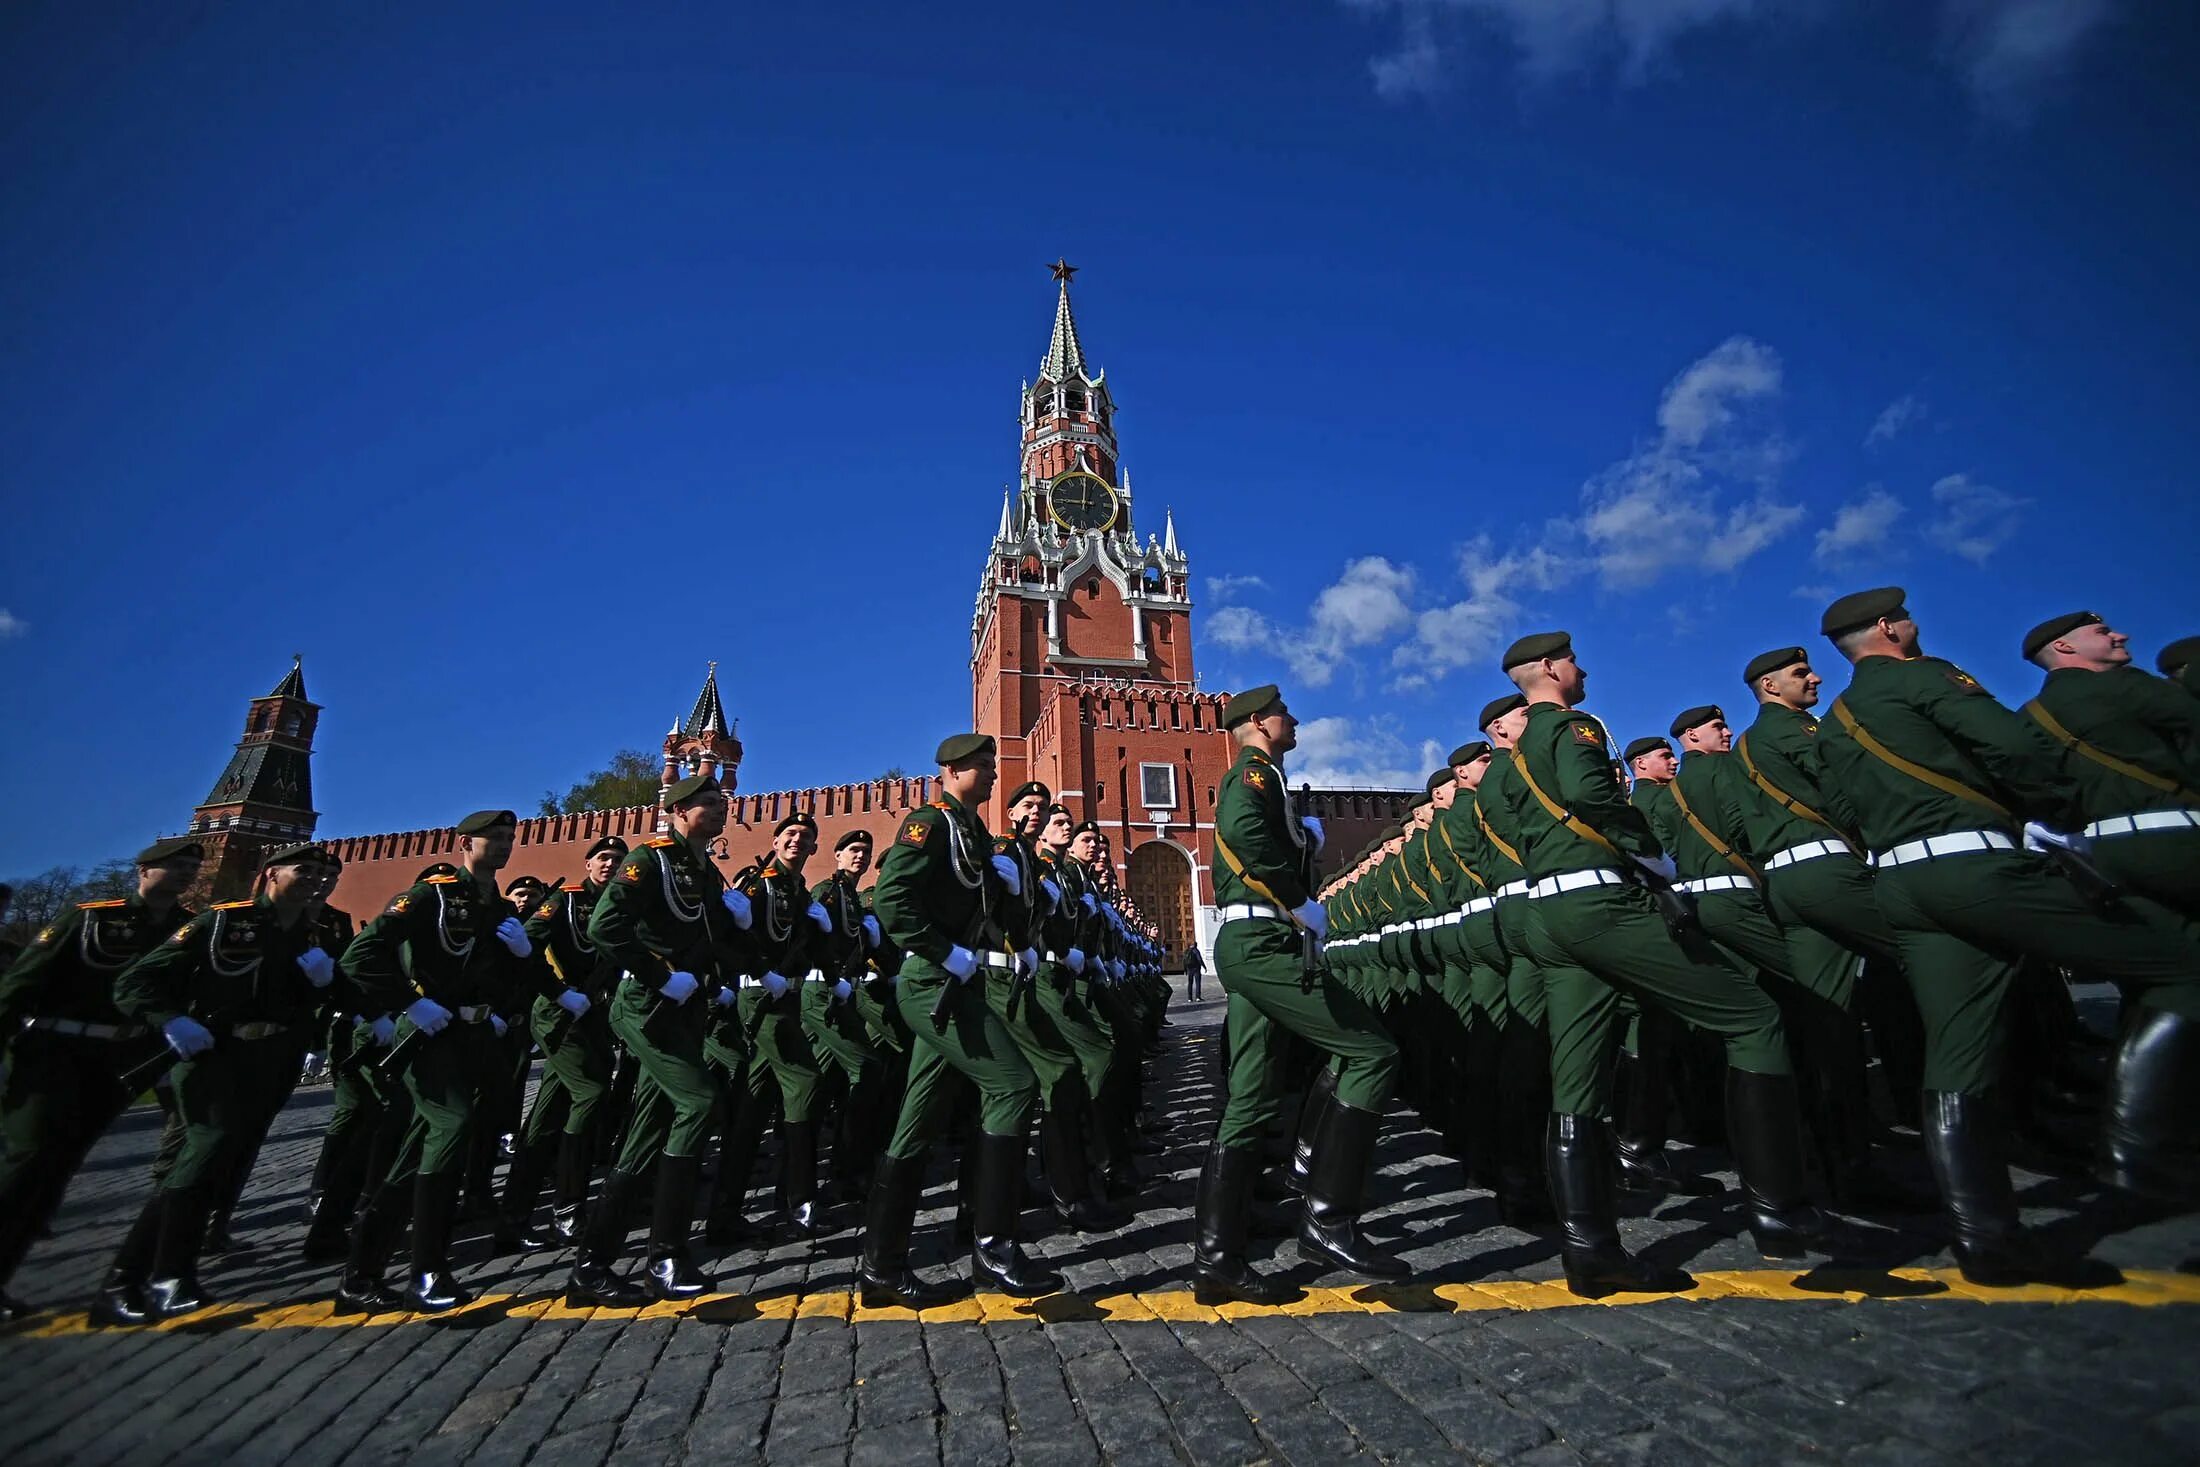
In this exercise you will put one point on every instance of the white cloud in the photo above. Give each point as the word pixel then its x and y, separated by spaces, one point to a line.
pixel 1366 605
pixel 1224 588
pixel 1470 630
pixel 12 625
pixel 1343 753
pixel 1705 397
pixel 2005 51
pixel 1974 519
pixel 1858 527
pixel 1904 412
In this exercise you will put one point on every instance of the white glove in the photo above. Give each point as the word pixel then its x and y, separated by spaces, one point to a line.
pixel 1092 903
pixel 775 984
pixel 1661 865
pixel 1074 960
pixel 384 1031
pixel 496 1022
pixel 843 989
pixel 574 1002
pixel 961 962
pixel 1053 891
pixel 2038 837
pixel 1313 826
pixel 514 937
pixel 1313 916
pixel 871 932
pixel 187 1036
pixel 727 998
pixel 318 966
pixel 1121 970
pixel 680 987
pixel 427 1015
pixel 822 918
pixel 1027 961
pixel 1011 875
pixel 738 905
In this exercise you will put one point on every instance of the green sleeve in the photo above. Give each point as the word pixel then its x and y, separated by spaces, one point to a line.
pixel 898 895
pixel 157 985
pixel 1734 801
pixel 1591 792
pixel 375 959
pixel 2015 753
pixel 1251 821
pixel 33 969
pixel 615 924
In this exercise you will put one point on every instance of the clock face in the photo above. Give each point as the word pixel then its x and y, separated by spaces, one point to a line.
pixel 1081 502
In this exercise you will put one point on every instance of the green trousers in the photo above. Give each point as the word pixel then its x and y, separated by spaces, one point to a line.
pixel 227 1098
pixel 1076 1024
pixel 2161 866
pixel 783 1056
pixel 1525 984
pixel 1602 944
pixel 674 1094
pixel 972 1046
pixel 838 1034
pixel 441 1083
pixel 1833 923
pixel 1965 923
pixel 882 1020
pixel 1044 1047
pixel 1258 964
pixel 576 1072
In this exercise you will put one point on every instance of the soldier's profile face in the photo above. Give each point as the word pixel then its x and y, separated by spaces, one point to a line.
pixel 1280 727
pixel 852 860
pixel 1714 737
pixel 1470 774
pixel 170 877
pixel 705 815
pixel 1026 809
pixel 1056 833
pixel 601 865
pixel 1085 847
pixel 1657 764
pixel 2099 644
pixel 1569 678
pixel 1796 685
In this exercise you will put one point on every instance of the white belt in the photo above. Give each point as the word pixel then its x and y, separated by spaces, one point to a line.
pixel 816 975
pixel 1955 843
pixel 79 1030
pixel 2150 820
pixel 471 1013
pixel 1248 912
pixel 1522 887
pixel 1477 907
pixel 1810 851
pixel 1703 884
pixel 1575 881
pixel 987 958
pixel 1426 924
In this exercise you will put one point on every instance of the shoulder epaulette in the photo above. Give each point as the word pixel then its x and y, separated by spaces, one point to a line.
pixel 231 906
pixel 573 886
pixel 441 880
pixel 662 840
pixel 109 902
pixel 935 804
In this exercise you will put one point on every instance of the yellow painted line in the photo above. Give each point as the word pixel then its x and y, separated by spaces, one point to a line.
pixel 2142 1288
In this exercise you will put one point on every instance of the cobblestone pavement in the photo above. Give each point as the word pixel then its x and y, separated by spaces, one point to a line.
pixel 1477 1361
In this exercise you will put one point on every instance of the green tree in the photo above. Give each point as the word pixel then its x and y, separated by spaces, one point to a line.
pixel 894 771
pixel 631 778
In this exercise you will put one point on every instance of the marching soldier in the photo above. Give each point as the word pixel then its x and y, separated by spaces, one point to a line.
pixel 1942 780
pixel 1596 926
pixel 235 993
pixel 1066 994
pixel 939 895
pixel 2136 746
pixel 1268 956
pixel 67 1046
pixel 573 1029
pixel 1118 1099
pixel 450 953
pixel 664 920
pixel 834 1019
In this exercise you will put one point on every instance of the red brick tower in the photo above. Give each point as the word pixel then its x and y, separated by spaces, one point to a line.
pixel 264 798
pixel 702 743
pixel 1081 646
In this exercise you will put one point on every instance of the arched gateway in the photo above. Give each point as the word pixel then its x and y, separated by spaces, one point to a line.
pixel 1160 881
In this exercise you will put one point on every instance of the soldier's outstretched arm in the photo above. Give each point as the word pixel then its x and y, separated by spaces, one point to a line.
pixel 898 898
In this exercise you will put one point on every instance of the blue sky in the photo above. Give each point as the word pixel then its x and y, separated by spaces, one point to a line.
pixel 511 372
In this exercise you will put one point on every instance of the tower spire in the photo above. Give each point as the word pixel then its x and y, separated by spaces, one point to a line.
pixel 1168 534
pixel 1008 527
pixel 1065 358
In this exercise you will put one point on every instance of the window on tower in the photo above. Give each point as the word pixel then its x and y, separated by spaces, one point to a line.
pixel 1073 402
pixel 1042 407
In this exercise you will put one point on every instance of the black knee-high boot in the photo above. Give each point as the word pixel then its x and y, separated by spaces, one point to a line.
pixel 1336 1185
pixel 672 1274
pixel 1524 1111
pixel 122 1294
pixel 996 1259
pixel 1963 1139
pixel 1581 1191
pixel 1764 1126
pixel 175 1286
pixel 595 1280
pixel 373 1235
pixel 1219 1269
pixel 431 1289
pixel 2148 1141
pixel 884 1274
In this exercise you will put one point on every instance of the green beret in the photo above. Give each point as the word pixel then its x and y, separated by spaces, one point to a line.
pixel 1085 825
pixel 1861 609
pixel 962 746
pixel 611 843
pixel 1536 646
pixel 1249 704
pixel 1648 744
pixel 162 851
pixel 798 818
pixel 2177 656
pixel 1468 752
pixel 853 838
pixel 1770 662
pixel 2048 630
pixel 436 868
pixel 1030 787
pixel 525 883
pixel 1418 801
pixel 1438 779
pixel 1497 708
pixel 304 853
pixel 684 790
pixel 1689 718
pixel 482 821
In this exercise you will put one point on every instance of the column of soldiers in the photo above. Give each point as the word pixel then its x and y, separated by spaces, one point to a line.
pixel 678 1014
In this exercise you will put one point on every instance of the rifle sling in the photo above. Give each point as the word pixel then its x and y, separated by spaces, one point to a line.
pixel 1933 777
pixel 2106 760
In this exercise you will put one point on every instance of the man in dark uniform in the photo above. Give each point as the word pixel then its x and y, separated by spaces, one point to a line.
pixel 833 1016
pixel 940 890
pixel 1268 958
pixel 2180 663
pixel 787 938
pixel 666 920
pixel 235 993
pixel 1942 780
pixel 573 1029
pixel 451 954
pixel 67 1046
pixel 1597 929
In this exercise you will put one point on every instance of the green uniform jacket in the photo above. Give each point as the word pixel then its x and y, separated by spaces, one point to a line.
pixel 1274 863
pixel 1779 756
pixel 936 886
pixel 1936 715
pixel 2134 716
pixel 1022 916
pixel 1719 795
pixel 1655 801
pixel 782 937
pixel 68 971
pixel 437 938
pixel 1069 924
pixel 1502 836
pixel 842 952
pixel 662 912
pixel 559 931
pixel 234 964
pixel 1459 841
pixel 1565 752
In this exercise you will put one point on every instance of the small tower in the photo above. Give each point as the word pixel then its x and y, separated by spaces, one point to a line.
pixel 702 743
pixel 264 799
